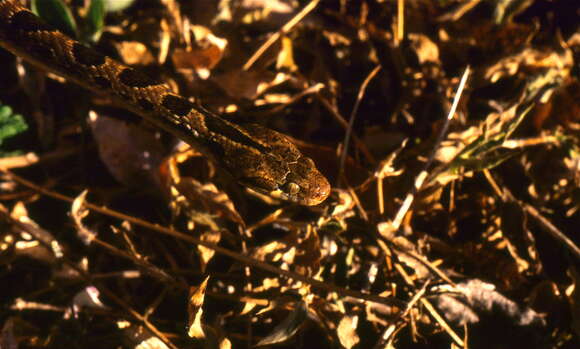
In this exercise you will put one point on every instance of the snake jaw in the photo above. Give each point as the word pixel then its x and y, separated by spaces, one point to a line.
pixel 309 191
pixel 302 183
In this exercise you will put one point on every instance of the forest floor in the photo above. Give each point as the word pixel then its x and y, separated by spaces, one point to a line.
pixel 449 131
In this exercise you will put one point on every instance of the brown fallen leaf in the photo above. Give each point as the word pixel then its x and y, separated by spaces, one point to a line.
pixel 196 299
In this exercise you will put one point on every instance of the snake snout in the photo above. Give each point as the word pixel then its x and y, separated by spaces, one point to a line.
pixel 314 187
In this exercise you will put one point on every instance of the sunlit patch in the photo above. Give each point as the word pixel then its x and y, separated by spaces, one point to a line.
pixel 279 194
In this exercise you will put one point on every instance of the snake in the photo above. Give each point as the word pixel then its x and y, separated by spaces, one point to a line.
pixel 257 157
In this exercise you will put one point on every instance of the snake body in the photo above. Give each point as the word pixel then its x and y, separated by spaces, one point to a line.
pixel 257 157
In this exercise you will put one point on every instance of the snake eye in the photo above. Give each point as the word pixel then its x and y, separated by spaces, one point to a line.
pixel 292 188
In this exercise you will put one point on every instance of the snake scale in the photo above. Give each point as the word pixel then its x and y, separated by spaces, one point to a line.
pixel 255 156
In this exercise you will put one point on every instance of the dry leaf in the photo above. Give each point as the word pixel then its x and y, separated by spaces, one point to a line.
pixel 131 153
pixel 206 254
pixel 134 53
pixel 204 201
pixel 140 338
pixel 288 327
pixel 206 53
pixel 346 331
pixel 78 213
pixel 194 310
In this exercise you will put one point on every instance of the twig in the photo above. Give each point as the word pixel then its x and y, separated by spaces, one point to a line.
pixel 400 21
pixel 285 29
pixel 342 122
pixel 353 114
pixel 423 174
pixel 552 229
pixel 431 309
pixel 548 227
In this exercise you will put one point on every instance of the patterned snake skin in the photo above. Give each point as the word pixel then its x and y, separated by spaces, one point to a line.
pixel 257 157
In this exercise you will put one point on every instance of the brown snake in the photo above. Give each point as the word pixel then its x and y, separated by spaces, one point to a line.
pixel 257 157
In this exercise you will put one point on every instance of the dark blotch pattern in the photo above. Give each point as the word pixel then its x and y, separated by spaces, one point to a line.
pixel 132 78
pixel 43 52
pixel 219 126
pixel 87 56
pixel 104 83
pixel 177 105
pixel 145 104
pixel 27 21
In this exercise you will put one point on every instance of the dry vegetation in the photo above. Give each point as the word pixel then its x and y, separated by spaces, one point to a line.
pixel 482 255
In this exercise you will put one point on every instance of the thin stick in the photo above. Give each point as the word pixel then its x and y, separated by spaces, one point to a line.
pixel 285 29
pixel 547 226
pixel 342 122
pixel 441 321
pixel 400 21
pixel 423 174
pixel 353 114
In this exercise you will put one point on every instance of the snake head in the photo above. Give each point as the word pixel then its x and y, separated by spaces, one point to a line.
pixel 304 184
pixel 274 166
pixel 299 181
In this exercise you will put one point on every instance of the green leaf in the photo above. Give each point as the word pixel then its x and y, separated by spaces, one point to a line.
pixel 95 20
pixel 56 13
pixel 10 125
pixel 117 5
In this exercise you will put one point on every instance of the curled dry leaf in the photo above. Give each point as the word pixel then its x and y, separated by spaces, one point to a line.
pixel 194 310
pixel 425 49
pixel 206 254
pixel 206 52
pixel 78 213
pixel 345 205
pixel 26 238
pixel 308 253
pixel 203 202
pixel 274 251
pixel 288 327
pixel 559 61
pixel 86 298
pixel 285 58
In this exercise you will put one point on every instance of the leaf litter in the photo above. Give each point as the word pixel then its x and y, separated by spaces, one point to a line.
pixel 438 233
